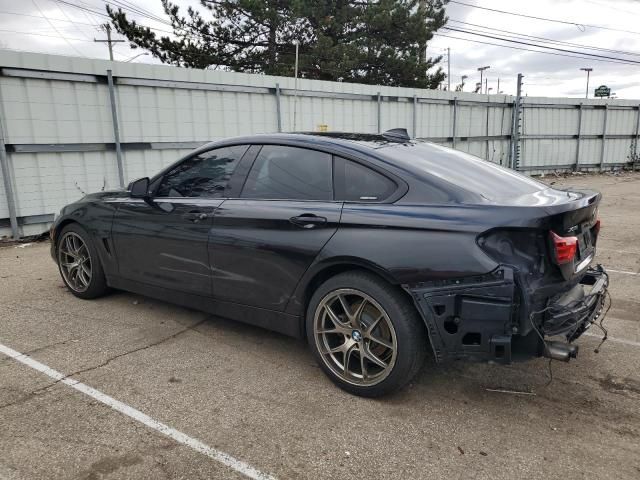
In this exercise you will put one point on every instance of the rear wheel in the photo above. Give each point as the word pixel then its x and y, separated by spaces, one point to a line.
pixel 79 264
pixel 366 335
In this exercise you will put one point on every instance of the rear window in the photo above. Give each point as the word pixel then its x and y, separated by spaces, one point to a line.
pixel 357 183
pixel 466 171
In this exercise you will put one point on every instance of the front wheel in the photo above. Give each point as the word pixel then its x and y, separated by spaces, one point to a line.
pixel 79 264
pixel 366 335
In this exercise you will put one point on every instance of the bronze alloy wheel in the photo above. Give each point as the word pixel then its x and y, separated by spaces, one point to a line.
pixel 355 337
pixel 75 262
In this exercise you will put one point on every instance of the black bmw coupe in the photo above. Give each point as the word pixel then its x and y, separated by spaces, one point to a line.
pixel 375 248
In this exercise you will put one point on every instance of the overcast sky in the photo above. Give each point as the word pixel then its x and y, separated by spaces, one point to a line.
pixel 545 75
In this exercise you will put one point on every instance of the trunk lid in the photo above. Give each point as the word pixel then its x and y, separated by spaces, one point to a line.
pixel 578 221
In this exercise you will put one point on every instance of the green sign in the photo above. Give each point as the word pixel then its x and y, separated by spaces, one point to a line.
pixel 602 91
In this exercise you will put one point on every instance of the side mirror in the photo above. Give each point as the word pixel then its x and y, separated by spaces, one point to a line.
pixel 139 188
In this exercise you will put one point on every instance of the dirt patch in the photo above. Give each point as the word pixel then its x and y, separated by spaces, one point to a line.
pixel 618 385
pixel 108 465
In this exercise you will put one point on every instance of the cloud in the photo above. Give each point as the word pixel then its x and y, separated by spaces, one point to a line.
pixel 547 74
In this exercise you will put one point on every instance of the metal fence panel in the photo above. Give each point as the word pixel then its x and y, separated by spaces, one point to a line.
pixel 60 136
pixel 4 207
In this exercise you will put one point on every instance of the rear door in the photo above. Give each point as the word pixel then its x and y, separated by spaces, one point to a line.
pixel 163 242
pixel 262 243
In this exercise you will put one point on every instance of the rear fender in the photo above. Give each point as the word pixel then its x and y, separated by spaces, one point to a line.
pixel 323 270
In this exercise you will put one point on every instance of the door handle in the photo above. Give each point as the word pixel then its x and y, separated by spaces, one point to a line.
pixel 308 220
pixel 195 217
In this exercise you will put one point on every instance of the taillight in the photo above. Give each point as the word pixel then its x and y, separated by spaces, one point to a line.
pixel 565 248
pixel 596 227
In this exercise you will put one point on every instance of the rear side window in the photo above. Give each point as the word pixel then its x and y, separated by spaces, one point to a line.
pixel 204 175
pixel 357 183
pixel 281 172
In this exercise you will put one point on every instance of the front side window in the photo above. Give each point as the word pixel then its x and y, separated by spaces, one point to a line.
pixel 357 183
pixel 204 175
pixel 281 172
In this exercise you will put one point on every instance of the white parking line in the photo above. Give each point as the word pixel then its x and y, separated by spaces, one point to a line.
pixel 626 272
pixel 617 251
pixel 224 458
pixel 614 339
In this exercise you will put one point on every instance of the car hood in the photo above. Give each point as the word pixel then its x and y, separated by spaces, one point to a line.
pixel 104 194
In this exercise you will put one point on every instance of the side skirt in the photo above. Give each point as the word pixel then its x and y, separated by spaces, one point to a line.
pixel 260 317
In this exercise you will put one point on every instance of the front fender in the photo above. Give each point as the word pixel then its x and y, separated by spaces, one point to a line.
pixel 96 217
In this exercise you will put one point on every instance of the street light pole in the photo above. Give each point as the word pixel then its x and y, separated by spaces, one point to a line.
pixel 295 88
pixel 448 69
pixel 481 70
pixel 588 70
pixel 462 79
pixel 136 56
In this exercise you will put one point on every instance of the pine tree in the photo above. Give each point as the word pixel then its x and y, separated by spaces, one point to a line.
pixel 375 42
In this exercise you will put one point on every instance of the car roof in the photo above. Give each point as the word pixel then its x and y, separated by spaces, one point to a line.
pixel 367 141
pixel 458 176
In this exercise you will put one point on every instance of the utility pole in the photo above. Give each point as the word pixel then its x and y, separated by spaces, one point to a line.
pixel 295 87
pixel 516 125
pixel 481 70
pixel 448 69
pixel 486 85
pixel 588 70
pixel 107 28
pixel 498 87
pixel 422 8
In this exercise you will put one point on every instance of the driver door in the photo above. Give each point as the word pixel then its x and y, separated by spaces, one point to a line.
pixel 163 241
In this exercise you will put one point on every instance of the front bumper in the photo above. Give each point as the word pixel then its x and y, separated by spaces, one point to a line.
pixel 486 318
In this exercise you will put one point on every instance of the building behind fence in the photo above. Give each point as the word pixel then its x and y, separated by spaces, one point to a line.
pixel 71 125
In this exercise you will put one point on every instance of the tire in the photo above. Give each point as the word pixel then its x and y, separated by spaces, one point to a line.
pixel 84 277
pixel 397 339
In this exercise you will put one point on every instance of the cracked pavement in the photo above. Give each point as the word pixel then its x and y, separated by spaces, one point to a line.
pixel 260 397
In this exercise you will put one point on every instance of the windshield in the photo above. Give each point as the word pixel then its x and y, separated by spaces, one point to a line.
pixel 487 179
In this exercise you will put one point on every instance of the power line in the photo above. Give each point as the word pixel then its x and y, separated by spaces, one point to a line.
pixel 61 37
pixel 594 55
pixel 136 9
pixel 89 16
pixel 581 26
pixel 547 40
pixel 53 26
pixel 566 53
pixel 72 22
pixel 80 7
pixel 40 17
pixel 535 51
pixel 89 10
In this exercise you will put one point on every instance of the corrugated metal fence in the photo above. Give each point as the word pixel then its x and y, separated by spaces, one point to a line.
pixel 71 125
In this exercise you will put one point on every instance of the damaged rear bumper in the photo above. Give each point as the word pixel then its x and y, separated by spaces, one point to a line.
pixel 572 313
pixel 489 318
